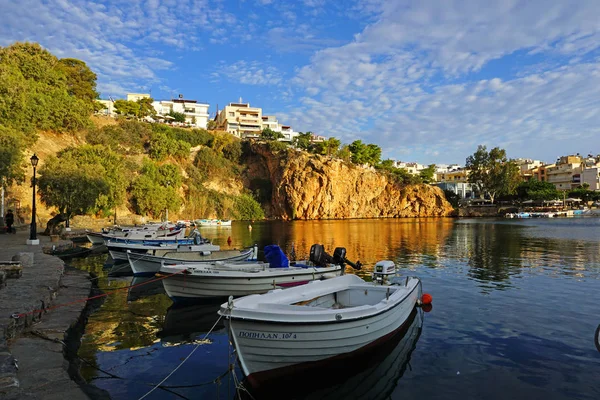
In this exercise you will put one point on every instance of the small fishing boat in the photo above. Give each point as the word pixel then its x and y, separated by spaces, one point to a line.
pixel 68 252
pixel 191 282
pixel 283 330
pixel 149 264
pixel 118 247
pixel 213 222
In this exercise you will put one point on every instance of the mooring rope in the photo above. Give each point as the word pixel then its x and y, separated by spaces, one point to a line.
pixel 98 296
pixel 184 360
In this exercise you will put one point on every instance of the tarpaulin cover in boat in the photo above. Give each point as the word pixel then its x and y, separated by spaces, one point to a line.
pixel 276 257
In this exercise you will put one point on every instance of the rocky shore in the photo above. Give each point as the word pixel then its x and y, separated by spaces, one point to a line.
pixel 35 345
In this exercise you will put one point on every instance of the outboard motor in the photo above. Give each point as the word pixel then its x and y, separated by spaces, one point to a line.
pixel 319 256
pixel 382 271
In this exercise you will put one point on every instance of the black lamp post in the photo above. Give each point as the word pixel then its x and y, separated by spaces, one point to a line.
pixel 33 230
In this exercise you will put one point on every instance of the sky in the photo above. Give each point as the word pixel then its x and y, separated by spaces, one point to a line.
pixel 428 81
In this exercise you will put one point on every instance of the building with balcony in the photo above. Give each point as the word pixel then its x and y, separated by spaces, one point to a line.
pixel 566 173
pixel 196 114
pixel 412 167
pixel 540 173
pixel 455 175
pixel 240 120
pixel 462 189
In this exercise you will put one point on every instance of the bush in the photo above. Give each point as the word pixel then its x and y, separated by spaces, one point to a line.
pixel 276 146
pixel 247 208
pixel 209 163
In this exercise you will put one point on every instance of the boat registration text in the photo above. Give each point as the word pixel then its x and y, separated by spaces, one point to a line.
pixel 266 335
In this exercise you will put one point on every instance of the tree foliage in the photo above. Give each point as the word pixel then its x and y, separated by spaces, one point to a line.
pixel 177 116
pixel 38 92
pixel 80 79
pixel 492 173
pixel 73 189
pixel 269 134
pixel 155 189
pixel 11 156
pixel 303 140
pixel 146 109
pixel 365 153
pixel 127 107
pixel 427 174
pixel 537 190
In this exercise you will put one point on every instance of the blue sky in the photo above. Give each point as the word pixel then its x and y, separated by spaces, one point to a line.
pixel 426 80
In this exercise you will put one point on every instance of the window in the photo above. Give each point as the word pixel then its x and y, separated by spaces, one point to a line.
pixel 232 114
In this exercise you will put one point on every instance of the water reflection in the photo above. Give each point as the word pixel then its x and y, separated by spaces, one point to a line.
pixel 183 324
pixel 371 375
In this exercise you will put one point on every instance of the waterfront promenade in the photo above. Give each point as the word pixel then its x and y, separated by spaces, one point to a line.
pixel 33 345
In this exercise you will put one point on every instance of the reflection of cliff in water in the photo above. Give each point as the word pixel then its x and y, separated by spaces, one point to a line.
pixel 144 286
pixel 183 324
pixel 366 240
pixel 371 375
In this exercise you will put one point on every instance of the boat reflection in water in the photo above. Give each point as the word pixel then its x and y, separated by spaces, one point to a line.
pixel 371 373
pixel 184 324
pixel 144 287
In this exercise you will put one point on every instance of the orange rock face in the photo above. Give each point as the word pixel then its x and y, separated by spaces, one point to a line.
pixel 316 187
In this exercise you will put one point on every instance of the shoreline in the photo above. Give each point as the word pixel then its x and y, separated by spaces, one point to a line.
pixel 38 349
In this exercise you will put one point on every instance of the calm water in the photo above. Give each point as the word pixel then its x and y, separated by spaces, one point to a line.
pixel 516 305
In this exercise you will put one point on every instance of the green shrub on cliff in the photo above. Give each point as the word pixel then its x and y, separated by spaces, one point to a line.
pixel 155 189
pixel 128 137
pixel 247 208
pixel 161 146
pixel 12 160
pixel 210 164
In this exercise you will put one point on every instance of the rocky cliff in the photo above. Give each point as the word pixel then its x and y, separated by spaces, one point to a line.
pixel 315 187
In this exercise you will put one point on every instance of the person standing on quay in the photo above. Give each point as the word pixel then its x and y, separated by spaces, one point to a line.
pixel 9 219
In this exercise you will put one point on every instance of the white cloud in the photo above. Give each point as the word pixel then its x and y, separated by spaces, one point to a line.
pixel 115 38
pixel 249 73
pixel 407 80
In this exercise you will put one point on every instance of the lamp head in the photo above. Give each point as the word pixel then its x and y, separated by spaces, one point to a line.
pixel 34 160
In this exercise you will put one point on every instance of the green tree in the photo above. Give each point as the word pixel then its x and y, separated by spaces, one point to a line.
pixel 178 117
pixel 211 125
pixel 537 190
pixel 270 134
pixel 34 92
pixel 331 146
pixel 303 140
pixel 155 189
pixel 80 79
pixel 11 156
pixel 146 109
pixel 344 153
pixel 427 174
pixel 359 152
pixel 492 173
pixel 127 107
pixel 73 189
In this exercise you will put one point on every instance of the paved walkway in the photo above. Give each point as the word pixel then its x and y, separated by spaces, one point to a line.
pixel 32 339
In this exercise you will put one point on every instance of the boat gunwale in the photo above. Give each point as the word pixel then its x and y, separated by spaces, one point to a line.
pixel 224 311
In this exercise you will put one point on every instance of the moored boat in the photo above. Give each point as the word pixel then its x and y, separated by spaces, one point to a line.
pixel 192 282
pixel 149 264
pixel 213 222
pixel 277 332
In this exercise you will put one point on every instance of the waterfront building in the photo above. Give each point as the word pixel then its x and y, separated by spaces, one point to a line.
pixel 240 120
pixel 455 175
pixel 527 167
pixel 464 190
pixel 540 173
pixel 591 176
pixel 566 173
pixel 196 113
pixel 412 167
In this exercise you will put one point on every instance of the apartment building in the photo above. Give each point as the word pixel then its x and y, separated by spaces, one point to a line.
pixel 591 176
pixel 541 173
pixel 566 173
pixel 240 120
pixel 412 167
pixel 196 114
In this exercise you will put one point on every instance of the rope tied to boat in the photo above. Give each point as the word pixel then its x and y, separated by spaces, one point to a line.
pixel 203 341
pixel 98 296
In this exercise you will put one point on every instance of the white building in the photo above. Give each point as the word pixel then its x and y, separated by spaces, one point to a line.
pixel 109 108
pixel 412 167
pixel 137 96
pixel 591 176
pixel 196 114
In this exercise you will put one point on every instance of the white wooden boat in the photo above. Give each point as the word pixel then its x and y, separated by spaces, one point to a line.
pixel 276 332
pixel 194 242
pixel 372 373
pixel 213 222
pixel 222 279
pixel 149 231
pixel 149 264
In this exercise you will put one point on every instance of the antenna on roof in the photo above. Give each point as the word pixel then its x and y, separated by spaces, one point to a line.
pixel 240 100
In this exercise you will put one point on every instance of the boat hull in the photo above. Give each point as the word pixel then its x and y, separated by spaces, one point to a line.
pixel 147 264
pixel 215 284
pixel 95 238
pixel 267 349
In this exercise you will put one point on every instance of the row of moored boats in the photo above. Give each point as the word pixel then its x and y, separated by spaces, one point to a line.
pixel 285 314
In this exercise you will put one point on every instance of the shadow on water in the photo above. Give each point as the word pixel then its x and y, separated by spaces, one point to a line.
pixel 371 375
pixel 183 324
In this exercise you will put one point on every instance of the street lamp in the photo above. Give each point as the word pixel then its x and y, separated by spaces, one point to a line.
pixel 33 230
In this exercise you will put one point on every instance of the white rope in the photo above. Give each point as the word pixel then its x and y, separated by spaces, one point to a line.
pixel 184 360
